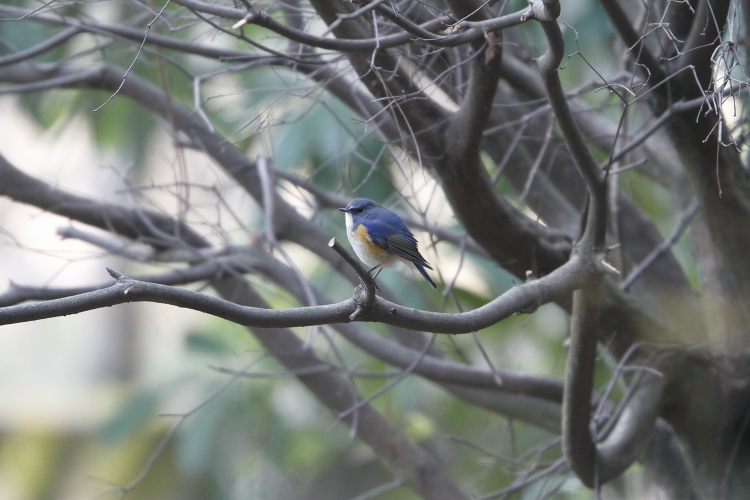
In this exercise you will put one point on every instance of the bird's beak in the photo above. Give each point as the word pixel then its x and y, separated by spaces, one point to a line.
pixel 343 209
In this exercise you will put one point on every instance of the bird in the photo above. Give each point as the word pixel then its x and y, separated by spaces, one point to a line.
pixel 380 237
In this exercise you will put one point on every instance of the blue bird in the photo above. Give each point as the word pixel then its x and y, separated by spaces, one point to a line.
pixel 380 237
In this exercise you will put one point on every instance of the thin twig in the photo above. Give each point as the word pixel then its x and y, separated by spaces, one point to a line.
pixel 137 55
pixel 643 265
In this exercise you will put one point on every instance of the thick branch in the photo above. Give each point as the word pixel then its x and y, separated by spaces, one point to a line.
pixel 593 464
pixel 533 399
pixel 588 167
pixel 416 467
pixel 464 135
pixel 596 463
pixel 578 441
pixel 632 432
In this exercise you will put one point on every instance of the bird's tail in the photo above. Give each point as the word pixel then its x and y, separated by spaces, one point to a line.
pixel 426 276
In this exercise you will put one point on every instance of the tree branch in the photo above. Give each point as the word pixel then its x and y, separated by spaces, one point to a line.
pixel 466 32
pixel 145 226
pixel 596 225
pixel 578 442
pixel 593 464
pixel 637 49
pixel 528 296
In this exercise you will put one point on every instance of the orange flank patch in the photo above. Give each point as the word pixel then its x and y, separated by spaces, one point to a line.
pixel 369 246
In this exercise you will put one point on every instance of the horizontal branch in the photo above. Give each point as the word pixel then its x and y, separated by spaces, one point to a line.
pixel 449 373
pixel 521 298
pixel 454 34
pixel 530 398
pixel 212 267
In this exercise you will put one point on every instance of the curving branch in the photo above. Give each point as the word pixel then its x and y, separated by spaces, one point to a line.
pixel 594 463
pixel 632 432
pixel 524 297
pixel 526 391
pixel 457 379
pixel 596 225
pixel 464 133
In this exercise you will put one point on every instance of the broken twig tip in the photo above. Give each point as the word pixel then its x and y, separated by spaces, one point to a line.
pixel 114 273
pixel 608 268
pixel 240 23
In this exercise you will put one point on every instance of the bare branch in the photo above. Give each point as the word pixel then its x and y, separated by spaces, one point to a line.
pixel 641 55
pixel 665 246
pixel 578 443
pixel 596 223
pixel 524 297
pixel 428 32
pixel 41 48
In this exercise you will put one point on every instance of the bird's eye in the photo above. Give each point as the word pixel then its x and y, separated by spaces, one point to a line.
pixel 358 210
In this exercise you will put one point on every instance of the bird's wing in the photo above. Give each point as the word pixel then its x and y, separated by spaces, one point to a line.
pixel 379 228
pixel 386 230
pixel 405 246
